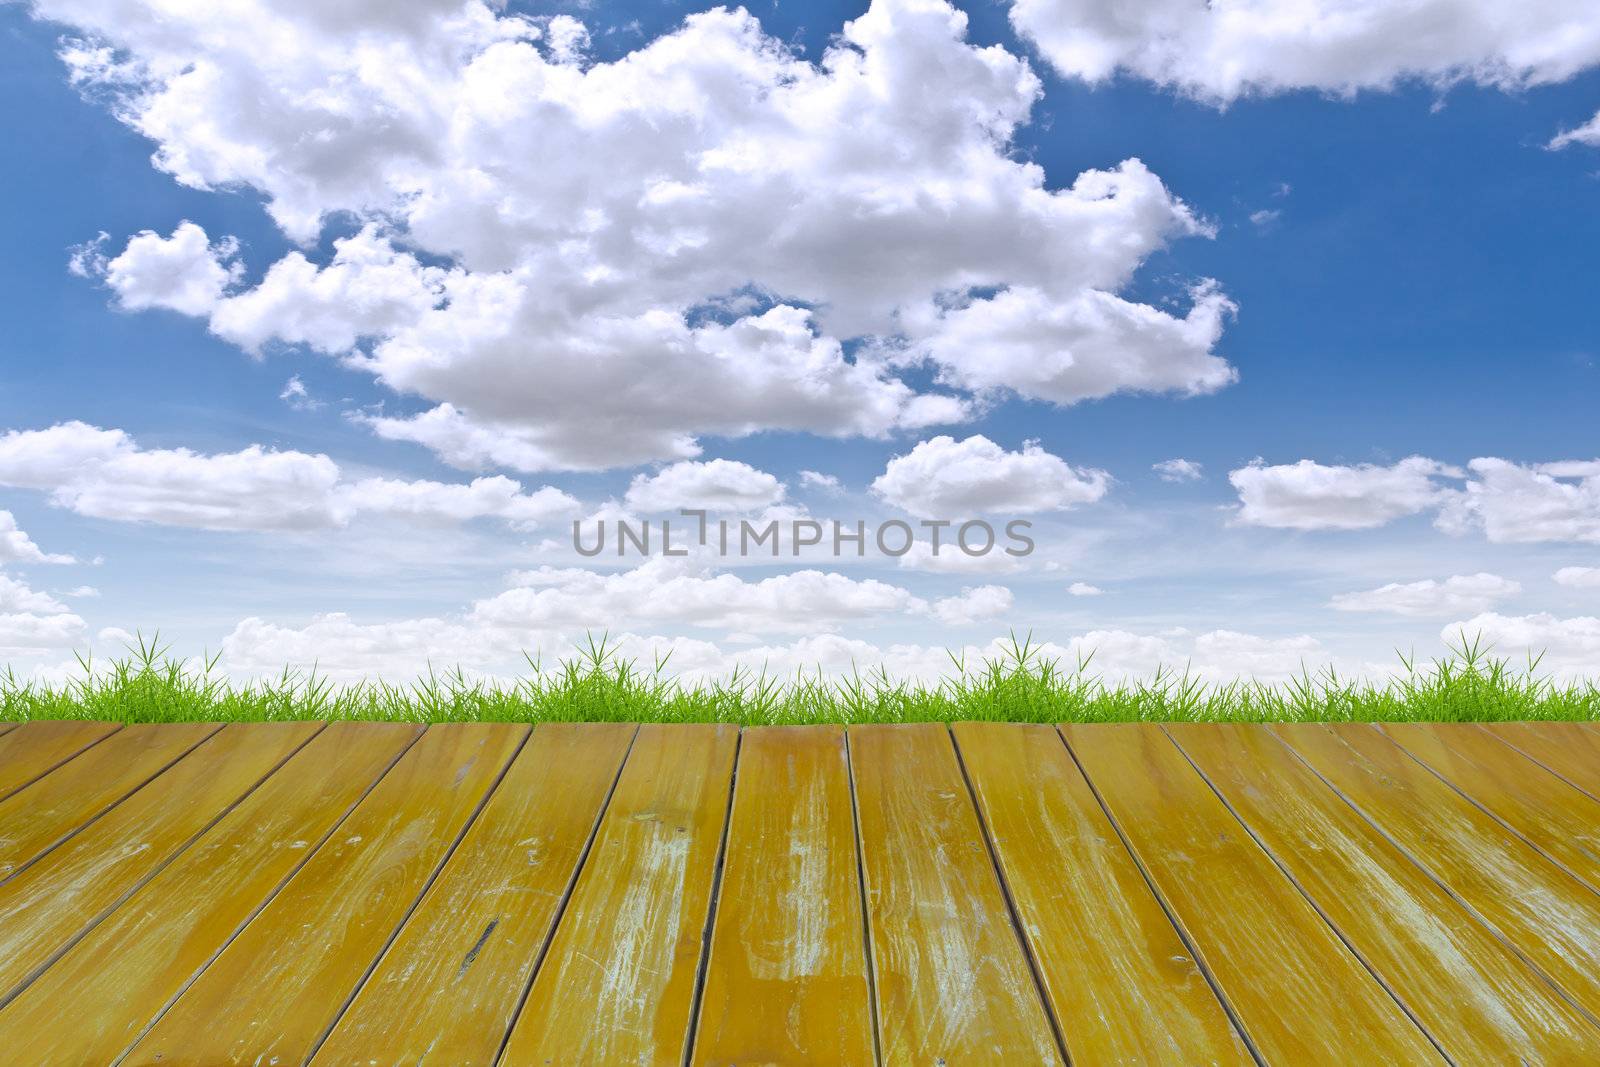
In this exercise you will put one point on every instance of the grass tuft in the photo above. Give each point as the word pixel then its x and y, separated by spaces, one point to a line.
pixel 599 685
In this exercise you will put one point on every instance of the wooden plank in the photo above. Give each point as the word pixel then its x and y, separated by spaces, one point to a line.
pixel 447 989
pixel 1538 907
pixel 1480 1001
pixel 46 907
pixel 1120 981
pixel 787 979
pixel 953 983
pixel 34 749
pixel 7 727
pixel 1570 749
pixel 129 968
pixel 1559 820
pixel 38 817
pixel 313 944
pixel 1300 994
pixel 618 984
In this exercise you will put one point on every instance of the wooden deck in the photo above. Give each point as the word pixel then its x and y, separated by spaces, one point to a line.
pixel 363 893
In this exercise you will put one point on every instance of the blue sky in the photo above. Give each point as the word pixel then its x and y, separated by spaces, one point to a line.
pixel 1412 265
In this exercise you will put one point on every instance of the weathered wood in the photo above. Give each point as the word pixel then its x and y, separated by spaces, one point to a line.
pixel 313 943
pixel 1541 909
pixel 46 907
pixel 1569 749
pixel 34 749
pixel 1561 821
pixel 447 989
pixel 617 986
pixel 38 817
pixel 952 981
pixel 787 978
pixel 1300 994
pixel 122 975
pixel 1479 1001
pixel 1120 981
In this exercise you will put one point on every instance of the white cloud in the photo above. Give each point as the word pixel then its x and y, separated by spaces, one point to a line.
pixel 974 605
pixel 17 547
pixel 1177 470
pixel 943 478
pixel 1569 647
pixel 105 474
pixel 32 622
pixel 1460 593
pixel 716 485
pixel 1222 51
pixel 1587 134
pixel 950 559
pixel 1310 496
pixel 825 483
pixel 720 216
pixel 1578 577
pixel 184 272
pixel 297 396
pixel 1084 589
pixel 1513 503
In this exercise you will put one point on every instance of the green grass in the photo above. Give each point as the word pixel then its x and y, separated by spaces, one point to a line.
pixel 1470 684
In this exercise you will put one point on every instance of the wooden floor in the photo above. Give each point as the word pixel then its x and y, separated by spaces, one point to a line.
pixel 921 895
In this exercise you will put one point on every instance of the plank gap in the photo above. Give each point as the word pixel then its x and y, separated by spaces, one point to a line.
pixel 866 913
pixel 697 998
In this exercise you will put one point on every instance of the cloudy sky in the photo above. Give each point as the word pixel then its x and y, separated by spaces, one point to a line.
pixel 323 324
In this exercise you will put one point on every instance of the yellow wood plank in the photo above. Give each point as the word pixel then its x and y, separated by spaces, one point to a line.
pixel 1561 821
pixel 617 986
pixel 1300 994
pixel 6 727
pixel 34 749
pixel 46 906
pixel 1120 981
pixel 1570 749
pixel 952 981
pixel 1481 1002
pixel 311 946
pixel 121 975
pixel 1541 909
pixel 41 815
pixel 787 978
pixel 447 989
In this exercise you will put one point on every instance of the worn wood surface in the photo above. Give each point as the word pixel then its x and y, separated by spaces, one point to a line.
pixel 618 985
pixel 476 894
pixel 787 978
pixel 448 989
pixel 1479 1001
pixel 953 983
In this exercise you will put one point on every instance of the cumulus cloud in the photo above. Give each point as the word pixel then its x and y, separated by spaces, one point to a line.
pixel 32 622
pixel 106 474
pixel 1222 51
pixel 722 216
pixel 1177 470
pixel 1460 593
pixel 17 547
pixel 973 605
pixel 1084 589
pixel 824 483
pixel 943 478
pixel 717 485
pixel 1587 134
pixel 1578 577
pixel 1311 496
pixel 1515 503
pixel 185 272
pixel 1562 646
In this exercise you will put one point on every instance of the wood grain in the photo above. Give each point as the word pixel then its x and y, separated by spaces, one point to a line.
pixel 1300 994
pixel 617 986
pixel 121 976
pixel 322 932
pixel 1569 749
pixel 1120 981
pixel 1561 821
pixel 1538 907
pixel 447 989
pixel 1481 1002
pixel 34 749
pixel 38 817
pixel 953 983
pixel 47 906
pixel 787 978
